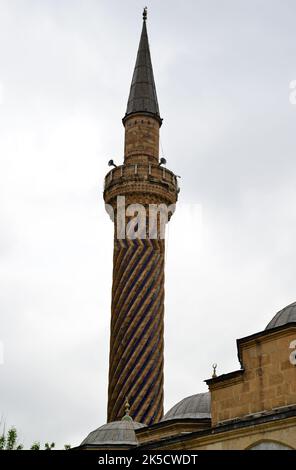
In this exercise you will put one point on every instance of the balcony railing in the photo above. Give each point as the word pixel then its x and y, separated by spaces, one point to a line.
pixel 140 171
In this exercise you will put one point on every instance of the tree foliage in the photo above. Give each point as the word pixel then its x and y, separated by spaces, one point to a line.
pixel 9 441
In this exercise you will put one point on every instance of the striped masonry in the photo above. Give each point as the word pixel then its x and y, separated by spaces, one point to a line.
pixel 136 344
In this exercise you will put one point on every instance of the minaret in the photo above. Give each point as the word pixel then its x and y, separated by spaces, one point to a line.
pixel 137 316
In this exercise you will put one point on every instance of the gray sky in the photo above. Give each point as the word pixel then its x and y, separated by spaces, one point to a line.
pixel 222 71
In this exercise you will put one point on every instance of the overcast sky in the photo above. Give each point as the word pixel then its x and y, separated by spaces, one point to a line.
pixel 222 70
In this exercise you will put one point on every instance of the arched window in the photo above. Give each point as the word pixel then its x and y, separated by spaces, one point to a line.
pixel 268 445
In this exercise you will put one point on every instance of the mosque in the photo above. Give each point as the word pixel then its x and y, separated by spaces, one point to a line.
pixel 253 407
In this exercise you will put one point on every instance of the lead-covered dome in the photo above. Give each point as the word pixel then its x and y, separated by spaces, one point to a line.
pixel 114 433
pixel 284 316
pixel 196 406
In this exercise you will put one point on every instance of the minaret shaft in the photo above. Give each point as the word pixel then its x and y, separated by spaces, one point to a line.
pixel 136 346
pixel 141 139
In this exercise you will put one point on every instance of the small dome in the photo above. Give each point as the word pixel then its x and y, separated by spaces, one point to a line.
pixel 284 316
pixel 195 406
pixel 114 433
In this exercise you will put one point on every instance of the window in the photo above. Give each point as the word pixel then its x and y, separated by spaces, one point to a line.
pixel 269 445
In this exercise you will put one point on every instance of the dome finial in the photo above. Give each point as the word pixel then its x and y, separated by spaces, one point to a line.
pixel 214 370
pixel 145 14
pixel 127 408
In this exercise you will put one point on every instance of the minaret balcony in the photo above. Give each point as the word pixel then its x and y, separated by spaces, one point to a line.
pixel 144 179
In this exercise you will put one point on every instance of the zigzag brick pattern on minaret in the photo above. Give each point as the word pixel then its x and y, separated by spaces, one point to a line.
pixel 136 350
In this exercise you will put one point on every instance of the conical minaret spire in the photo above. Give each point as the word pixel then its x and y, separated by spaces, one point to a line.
pixel 143 97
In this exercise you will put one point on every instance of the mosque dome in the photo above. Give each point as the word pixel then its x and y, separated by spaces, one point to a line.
pixel 195 406
pixel 284 316
pixel 114 433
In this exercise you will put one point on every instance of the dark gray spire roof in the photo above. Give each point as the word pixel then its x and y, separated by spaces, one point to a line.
pixel 142 97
